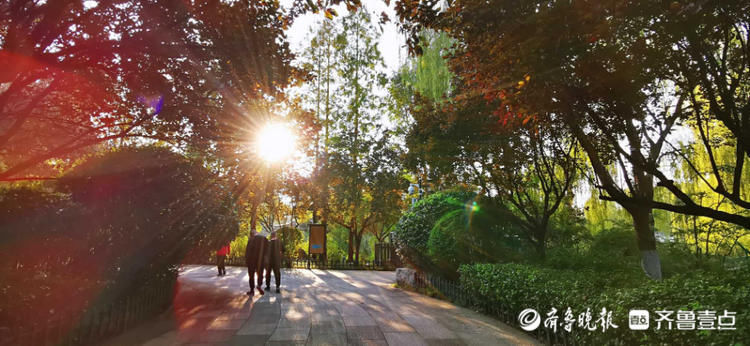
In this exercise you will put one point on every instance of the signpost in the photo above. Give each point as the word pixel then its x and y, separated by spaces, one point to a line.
pixel 317 243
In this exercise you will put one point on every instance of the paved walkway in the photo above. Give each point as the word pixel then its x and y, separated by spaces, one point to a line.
pixel 320 307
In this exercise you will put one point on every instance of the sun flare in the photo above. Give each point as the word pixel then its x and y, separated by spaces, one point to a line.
pixel 275 142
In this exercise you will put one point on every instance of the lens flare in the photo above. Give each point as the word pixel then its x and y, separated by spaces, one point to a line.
pixel 275 143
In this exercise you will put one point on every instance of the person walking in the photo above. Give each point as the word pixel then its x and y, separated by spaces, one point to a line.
pixel 221 257
pixel 274 261
pixel 255 260
pixel 264 262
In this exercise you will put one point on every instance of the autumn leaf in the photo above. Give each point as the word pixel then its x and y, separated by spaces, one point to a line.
pixel 330 13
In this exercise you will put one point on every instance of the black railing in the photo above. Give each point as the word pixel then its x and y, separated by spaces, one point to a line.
pixel 337 265
pixel 452 291
pixel 385 254
pixel 97 322
pixel 308 264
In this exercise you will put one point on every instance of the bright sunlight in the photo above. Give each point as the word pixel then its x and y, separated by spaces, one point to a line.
pixel 275 142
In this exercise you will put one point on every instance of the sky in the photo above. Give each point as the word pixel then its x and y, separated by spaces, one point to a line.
pixel 392 43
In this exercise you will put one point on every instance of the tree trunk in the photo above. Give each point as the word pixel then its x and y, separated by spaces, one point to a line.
pixel 350 254
pixel 541 248
pixel 643 221
pixel 357 244
pixel 541 238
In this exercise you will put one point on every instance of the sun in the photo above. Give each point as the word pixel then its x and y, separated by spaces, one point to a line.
pixel 275 142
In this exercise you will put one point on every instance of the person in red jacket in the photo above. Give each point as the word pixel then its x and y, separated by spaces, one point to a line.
pixel 221 257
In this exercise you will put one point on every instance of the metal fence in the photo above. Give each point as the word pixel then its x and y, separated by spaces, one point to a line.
pixel 97 322
pixel 338 265
pixel 385 254
pixel 453 291
pixel 308 264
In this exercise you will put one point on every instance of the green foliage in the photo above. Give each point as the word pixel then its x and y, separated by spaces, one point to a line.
pixel 337 243
pixel 450 228
pixel 291 238
pixel 413 229
pixel 123 90
pixel 690 61
pixel 471 234
pixel 428 73
pixel 237 247
pixel 361 168
pixel 515 287
pixel 114 222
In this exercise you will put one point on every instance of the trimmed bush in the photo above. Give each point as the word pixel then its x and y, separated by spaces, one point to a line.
pixel 470 235
pixel 514 287
pixel 413 229
pixel 105 229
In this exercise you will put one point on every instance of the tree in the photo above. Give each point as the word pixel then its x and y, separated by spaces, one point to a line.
pixel 422 81
pixel 114 222
pixel 621 78
pixel 428 73
pixel 290 238
pixel 88 75
pixel 356 144
pixel 319 95
pixel 527 173
pixel 272 212
pixel 707 235
pixel 365 201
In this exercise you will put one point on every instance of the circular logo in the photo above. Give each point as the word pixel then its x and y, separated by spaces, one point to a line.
pixel 529 319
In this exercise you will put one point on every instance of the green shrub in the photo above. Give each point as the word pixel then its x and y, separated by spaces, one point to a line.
pixel 237 247
pixel 514 287
pixel 615 250
pixel 470 235
pixel 698 291
pixel 290 238
pixel 413 229
pixel 105 228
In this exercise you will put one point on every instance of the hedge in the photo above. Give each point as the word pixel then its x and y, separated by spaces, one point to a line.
pixel 515 287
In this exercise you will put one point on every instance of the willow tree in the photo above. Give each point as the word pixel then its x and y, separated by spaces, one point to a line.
pixel 622 78
pixel 422 79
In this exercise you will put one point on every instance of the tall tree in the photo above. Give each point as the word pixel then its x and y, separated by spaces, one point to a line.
pixel 525 169
pixel 620 76
pixel 319 95
pixel 88 73
pixel 353 125
pixel 366 197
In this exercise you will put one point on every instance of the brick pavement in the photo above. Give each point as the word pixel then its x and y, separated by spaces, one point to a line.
pixel 318 307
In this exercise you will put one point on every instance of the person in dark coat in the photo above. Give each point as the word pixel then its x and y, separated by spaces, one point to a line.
pixel 255 255
pixel 274 261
